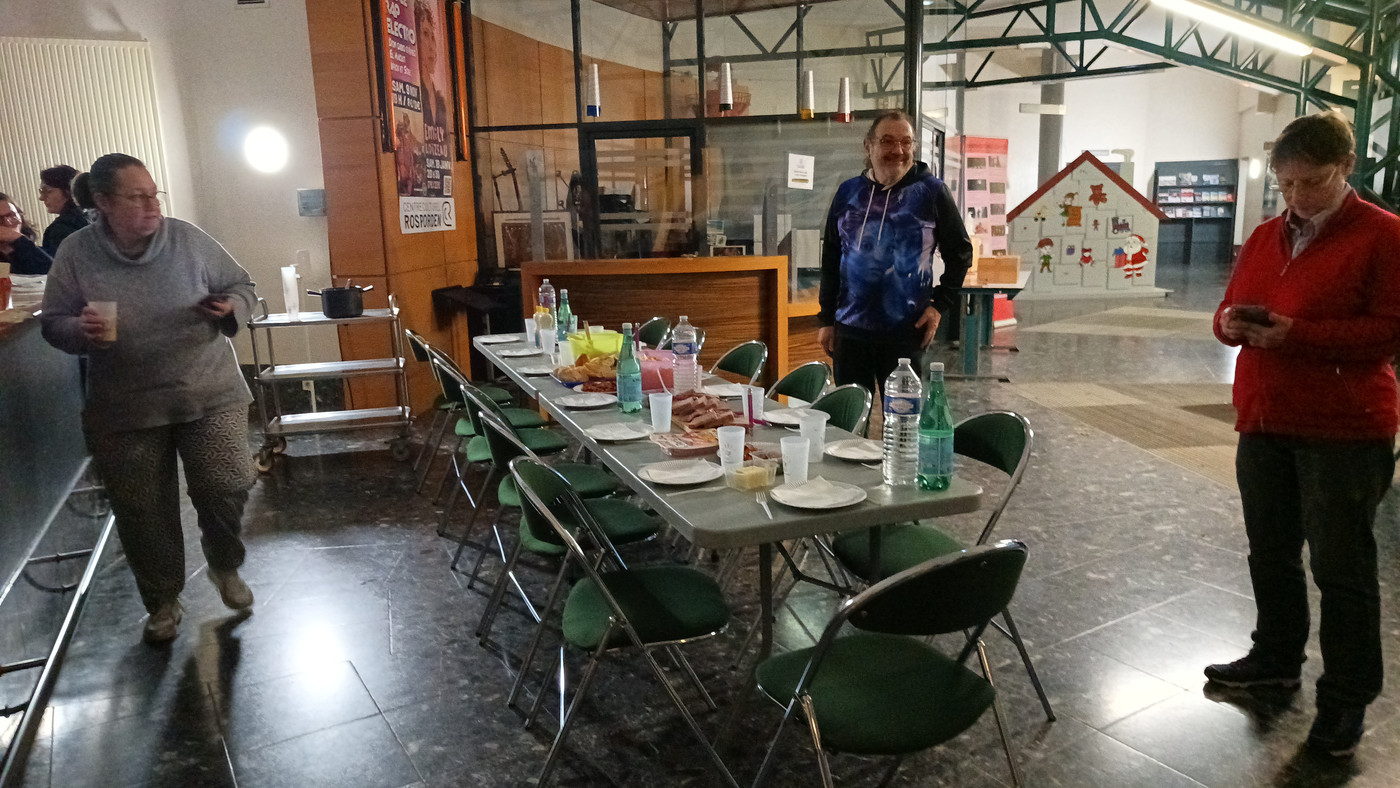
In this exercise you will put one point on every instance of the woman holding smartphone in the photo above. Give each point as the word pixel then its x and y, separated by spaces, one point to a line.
pixel 152 302
pixel 1314 306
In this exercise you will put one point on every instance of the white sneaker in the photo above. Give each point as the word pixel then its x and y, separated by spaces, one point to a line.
pixel 164 624
pixel 232 589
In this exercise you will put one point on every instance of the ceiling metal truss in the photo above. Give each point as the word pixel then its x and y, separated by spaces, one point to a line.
pixel 1363 35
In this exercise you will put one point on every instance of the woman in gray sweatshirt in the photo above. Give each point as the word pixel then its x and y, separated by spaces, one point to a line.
pixel 167 385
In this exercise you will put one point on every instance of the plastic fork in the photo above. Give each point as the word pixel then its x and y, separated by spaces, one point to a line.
pixel 762 497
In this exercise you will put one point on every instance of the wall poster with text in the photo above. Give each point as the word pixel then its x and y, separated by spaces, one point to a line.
pixel 416 70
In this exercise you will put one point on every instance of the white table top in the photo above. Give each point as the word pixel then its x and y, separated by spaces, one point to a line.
pixel 724 517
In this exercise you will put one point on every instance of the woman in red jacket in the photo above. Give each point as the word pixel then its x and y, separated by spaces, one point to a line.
pixel 1314 306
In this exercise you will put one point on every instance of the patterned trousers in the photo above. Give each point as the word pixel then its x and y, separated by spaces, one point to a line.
pixel 138 470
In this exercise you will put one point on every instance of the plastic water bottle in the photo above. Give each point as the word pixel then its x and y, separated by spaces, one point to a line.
pixel 903 395
pixel 935 434
pixel 629 374
pixel 544 328
pixel 685 370
pixel 547 298
pixel 565 318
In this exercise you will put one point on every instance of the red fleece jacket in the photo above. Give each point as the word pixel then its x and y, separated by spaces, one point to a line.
pixel 1331 378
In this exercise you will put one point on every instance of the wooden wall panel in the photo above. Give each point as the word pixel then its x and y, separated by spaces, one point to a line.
pixel 556 70
pixel 341 68
pixel 350 163
pixel 802 341
pixel 513 91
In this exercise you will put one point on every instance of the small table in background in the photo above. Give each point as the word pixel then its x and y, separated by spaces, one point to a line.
pixel 977 318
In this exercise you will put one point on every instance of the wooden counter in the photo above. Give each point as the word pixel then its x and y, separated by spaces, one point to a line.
pixel 734 299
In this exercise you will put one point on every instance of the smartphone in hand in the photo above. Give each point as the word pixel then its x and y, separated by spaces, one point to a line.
pixel 1253 313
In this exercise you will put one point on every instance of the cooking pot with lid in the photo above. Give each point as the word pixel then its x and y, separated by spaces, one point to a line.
pixel 338 302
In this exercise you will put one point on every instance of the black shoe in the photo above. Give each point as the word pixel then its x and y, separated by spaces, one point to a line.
pixel 1252 670
pixel 1336 730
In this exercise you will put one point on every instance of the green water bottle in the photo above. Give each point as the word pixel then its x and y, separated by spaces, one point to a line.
pixel 562 322
pixel 935 434
pixel 629 374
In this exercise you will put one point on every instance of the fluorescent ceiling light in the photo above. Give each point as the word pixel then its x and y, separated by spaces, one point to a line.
pixel 1237 25
pixel 1043 109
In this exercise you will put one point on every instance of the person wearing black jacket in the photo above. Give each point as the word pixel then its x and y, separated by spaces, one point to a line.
pixel 17 246
pixel 56 192
pixel 881 292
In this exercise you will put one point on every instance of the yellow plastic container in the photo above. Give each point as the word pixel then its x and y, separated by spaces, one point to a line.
pixel 597 343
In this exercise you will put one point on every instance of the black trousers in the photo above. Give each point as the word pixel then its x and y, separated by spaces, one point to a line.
pixel 868 357
pixel 1324 493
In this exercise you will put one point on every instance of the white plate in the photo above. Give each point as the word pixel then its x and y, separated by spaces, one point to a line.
pixel 500 339
pixel 589 400
pixel 857 450
pixel 818 493
pixel 520 352
pixel 786 417
pixel 535 369
pixel 724 390
pixel 618 431
pixel 680 472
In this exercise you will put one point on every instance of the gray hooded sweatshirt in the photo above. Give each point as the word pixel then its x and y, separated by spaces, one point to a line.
pixel 169 365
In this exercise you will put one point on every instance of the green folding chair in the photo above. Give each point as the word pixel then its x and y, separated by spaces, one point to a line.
pixel 1001 439
pixel 654 332
pixel 476 451
pixel 614 607
pixel 848 406
pixel 884 691
pixel 445 406
pixel 806 382
pixel 623 522
pixel 745 359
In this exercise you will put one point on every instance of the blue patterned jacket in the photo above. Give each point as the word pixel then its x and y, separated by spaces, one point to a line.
pixel 878 267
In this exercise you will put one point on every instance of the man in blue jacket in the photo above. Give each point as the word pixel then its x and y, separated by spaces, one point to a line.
pixel 881 289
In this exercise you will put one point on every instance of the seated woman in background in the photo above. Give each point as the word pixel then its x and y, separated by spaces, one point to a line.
pixel 17 245
pixel 56 192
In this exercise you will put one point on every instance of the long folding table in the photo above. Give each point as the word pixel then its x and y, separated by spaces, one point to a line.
pixel 721 517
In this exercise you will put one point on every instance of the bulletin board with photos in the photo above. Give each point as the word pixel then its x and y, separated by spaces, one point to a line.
pixel 977 176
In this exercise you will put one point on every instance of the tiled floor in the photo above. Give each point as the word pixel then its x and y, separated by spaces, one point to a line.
pixel 359 667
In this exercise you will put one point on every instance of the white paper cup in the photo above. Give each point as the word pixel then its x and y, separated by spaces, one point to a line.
pixel 812 426
pixel 660 412
pixel 530 331
pixel 107 310
pixel 795 450
pixel 731 447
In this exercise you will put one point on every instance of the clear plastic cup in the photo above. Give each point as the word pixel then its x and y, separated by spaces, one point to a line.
pixel 795 450
pixel 812 426
pixel 530 331
pixel 107 310
pixel 660 412
pixel 731 447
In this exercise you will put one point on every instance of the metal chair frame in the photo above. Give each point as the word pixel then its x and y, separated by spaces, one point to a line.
pixel 608 559
pixel 852 611
pixel 862 424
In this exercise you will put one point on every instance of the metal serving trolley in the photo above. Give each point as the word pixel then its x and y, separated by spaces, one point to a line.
pixel 277 424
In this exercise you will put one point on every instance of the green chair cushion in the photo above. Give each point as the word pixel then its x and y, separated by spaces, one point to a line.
pixel 478 450
pixel 878 694
pixel 623 523
pixel 519 418
pixel 537 441
pixel 664 603
pixel 497 394
pixel 901 546
pixel 589 481
pixel 441 402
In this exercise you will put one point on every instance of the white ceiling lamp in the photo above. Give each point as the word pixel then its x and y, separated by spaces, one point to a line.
pixel 1043 109
pixel 1238 25
pixel 265 149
